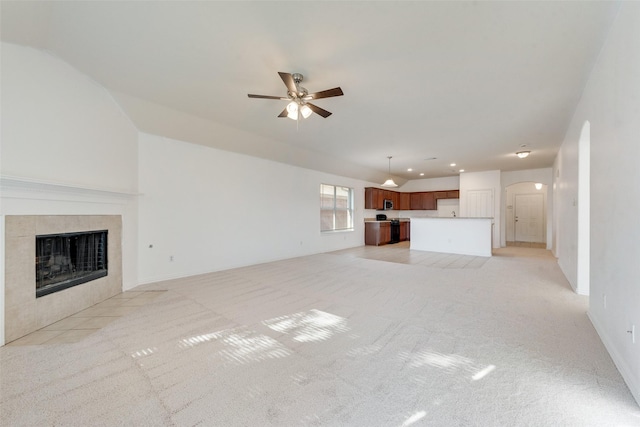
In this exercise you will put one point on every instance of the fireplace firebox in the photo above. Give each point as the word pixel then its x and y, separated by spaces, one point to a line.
pixel 69 259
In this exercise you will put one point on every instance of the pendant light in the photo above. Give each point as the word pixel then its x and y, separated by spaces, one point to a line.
pixel 389 182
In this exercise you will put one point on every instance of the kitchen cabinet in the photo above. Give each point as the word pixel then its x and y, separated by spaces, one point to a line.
pixel 440 195
pixel 395 198
pixel 373 198
pixel 369 198
pixel 428 201
pixel 405 201
pixel 377 233
pixel 416 201
pixel 405 230
pixel 423 201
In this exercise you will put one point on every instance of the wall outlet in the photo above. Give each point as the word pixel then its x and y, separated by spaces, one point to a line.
pixel 633 334
pixel 604 300
pixel 171 258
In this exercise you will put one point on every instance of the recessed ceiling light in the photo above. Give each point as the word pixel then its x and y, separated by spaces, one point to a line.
pixel 461 170
pixel 422 174
pixel 409 170
pixel 452 164
pixel 523 154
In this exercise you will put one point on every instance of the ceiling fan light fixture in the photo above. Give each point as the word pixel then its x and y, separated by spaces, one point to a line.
pixel 292 110
pixel 305 111
pixel 523 154
pixel 298 97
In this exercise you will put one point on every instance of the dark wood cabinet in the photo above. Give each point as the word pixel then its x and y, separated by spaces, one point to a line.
pixel 415 201
pixel 428 201
pixel 405 201
pixel 373 198
pixel 405 230
pixel 440 195
pixel 377 233
pixel 395 198
pixel 423 200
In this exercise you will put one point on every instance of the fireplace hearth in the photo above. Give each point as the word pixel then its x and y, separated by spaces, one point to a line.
pixel 69 259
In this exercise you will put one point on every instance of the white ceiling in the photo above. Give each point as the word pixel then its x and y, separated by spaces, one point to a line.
pixel 464 82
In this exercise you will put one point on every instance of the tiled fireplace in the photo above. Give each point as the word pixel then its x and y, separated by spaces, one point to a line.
pixel 24 313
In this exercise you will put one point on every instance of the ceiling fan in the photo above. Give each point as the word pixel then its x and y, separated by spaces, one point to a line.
pixel 299 98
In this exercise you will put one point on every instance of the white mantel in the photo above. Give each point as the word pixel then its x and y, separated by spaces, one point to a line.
pixel 465 236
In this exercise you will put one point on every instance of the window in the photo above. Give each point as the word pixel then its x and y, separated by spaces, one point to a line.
pixel 336 208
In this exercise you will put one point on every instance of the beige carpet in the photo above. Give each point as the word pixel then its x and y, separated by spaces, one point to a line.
pixel 334 340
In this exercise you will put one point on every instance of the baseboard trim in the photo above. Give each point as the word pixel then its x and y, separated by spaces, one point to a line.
pixel 627 374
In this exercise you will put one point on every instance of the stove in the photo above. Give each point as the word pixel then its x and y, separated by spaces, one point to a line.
pixel 395 231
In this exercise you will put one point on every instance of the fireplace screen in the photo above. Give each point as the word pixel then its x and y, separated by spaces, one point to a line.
pixel 70 259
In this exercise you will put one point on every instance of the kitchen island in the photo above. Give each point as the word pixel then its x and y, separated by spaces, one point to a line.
pixel 464 236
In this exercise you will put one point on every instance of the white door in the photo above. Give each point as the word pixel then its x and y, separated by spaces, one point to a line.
pixel 529 211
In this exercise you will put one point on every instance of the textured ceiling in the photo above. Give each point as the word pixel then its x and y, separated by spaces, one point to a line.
pixel 464 82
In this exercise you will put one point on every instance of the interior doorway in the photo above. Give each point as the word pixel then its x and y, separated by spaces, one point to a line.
pixel 528 218
pixel 526 214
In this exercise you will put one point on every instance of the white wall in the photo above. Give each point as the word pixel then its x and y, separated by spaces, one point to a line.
pixel 543 176
pixel 61 127
pixel 431 184
pixel 67 149
pixel 611 103
pixel 489 180
pixel 212 210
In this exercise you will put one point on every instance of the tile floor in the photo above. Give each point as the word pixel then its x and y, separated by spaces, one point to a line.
pixel 84 323
pixel 401 254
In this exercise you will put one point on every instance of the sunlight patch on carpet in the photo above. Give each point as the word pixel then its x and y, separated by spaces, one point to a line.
pixel 240 346
pixel 314 325
pixel 450 363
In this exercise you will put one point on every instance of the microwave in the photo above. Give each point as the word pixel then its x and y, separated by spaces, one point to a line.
pixel 387 205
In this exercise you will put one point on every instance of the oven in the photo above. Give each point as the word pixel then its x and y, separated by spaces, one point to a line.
pixel 395 231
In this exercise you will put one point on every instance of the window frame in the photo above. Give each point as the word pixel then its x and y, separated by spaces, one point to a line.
pixel 350 209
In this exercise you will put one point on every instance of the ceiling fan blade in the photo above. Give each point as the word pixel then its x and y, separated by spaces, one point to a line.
pixel 324 113
pixel 250 95
pixel 288 82
pixel 284 113
pixel 336 91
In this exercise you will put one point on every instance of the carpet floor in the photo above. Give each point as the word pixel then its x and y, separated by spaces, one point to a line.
pixel 335 339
